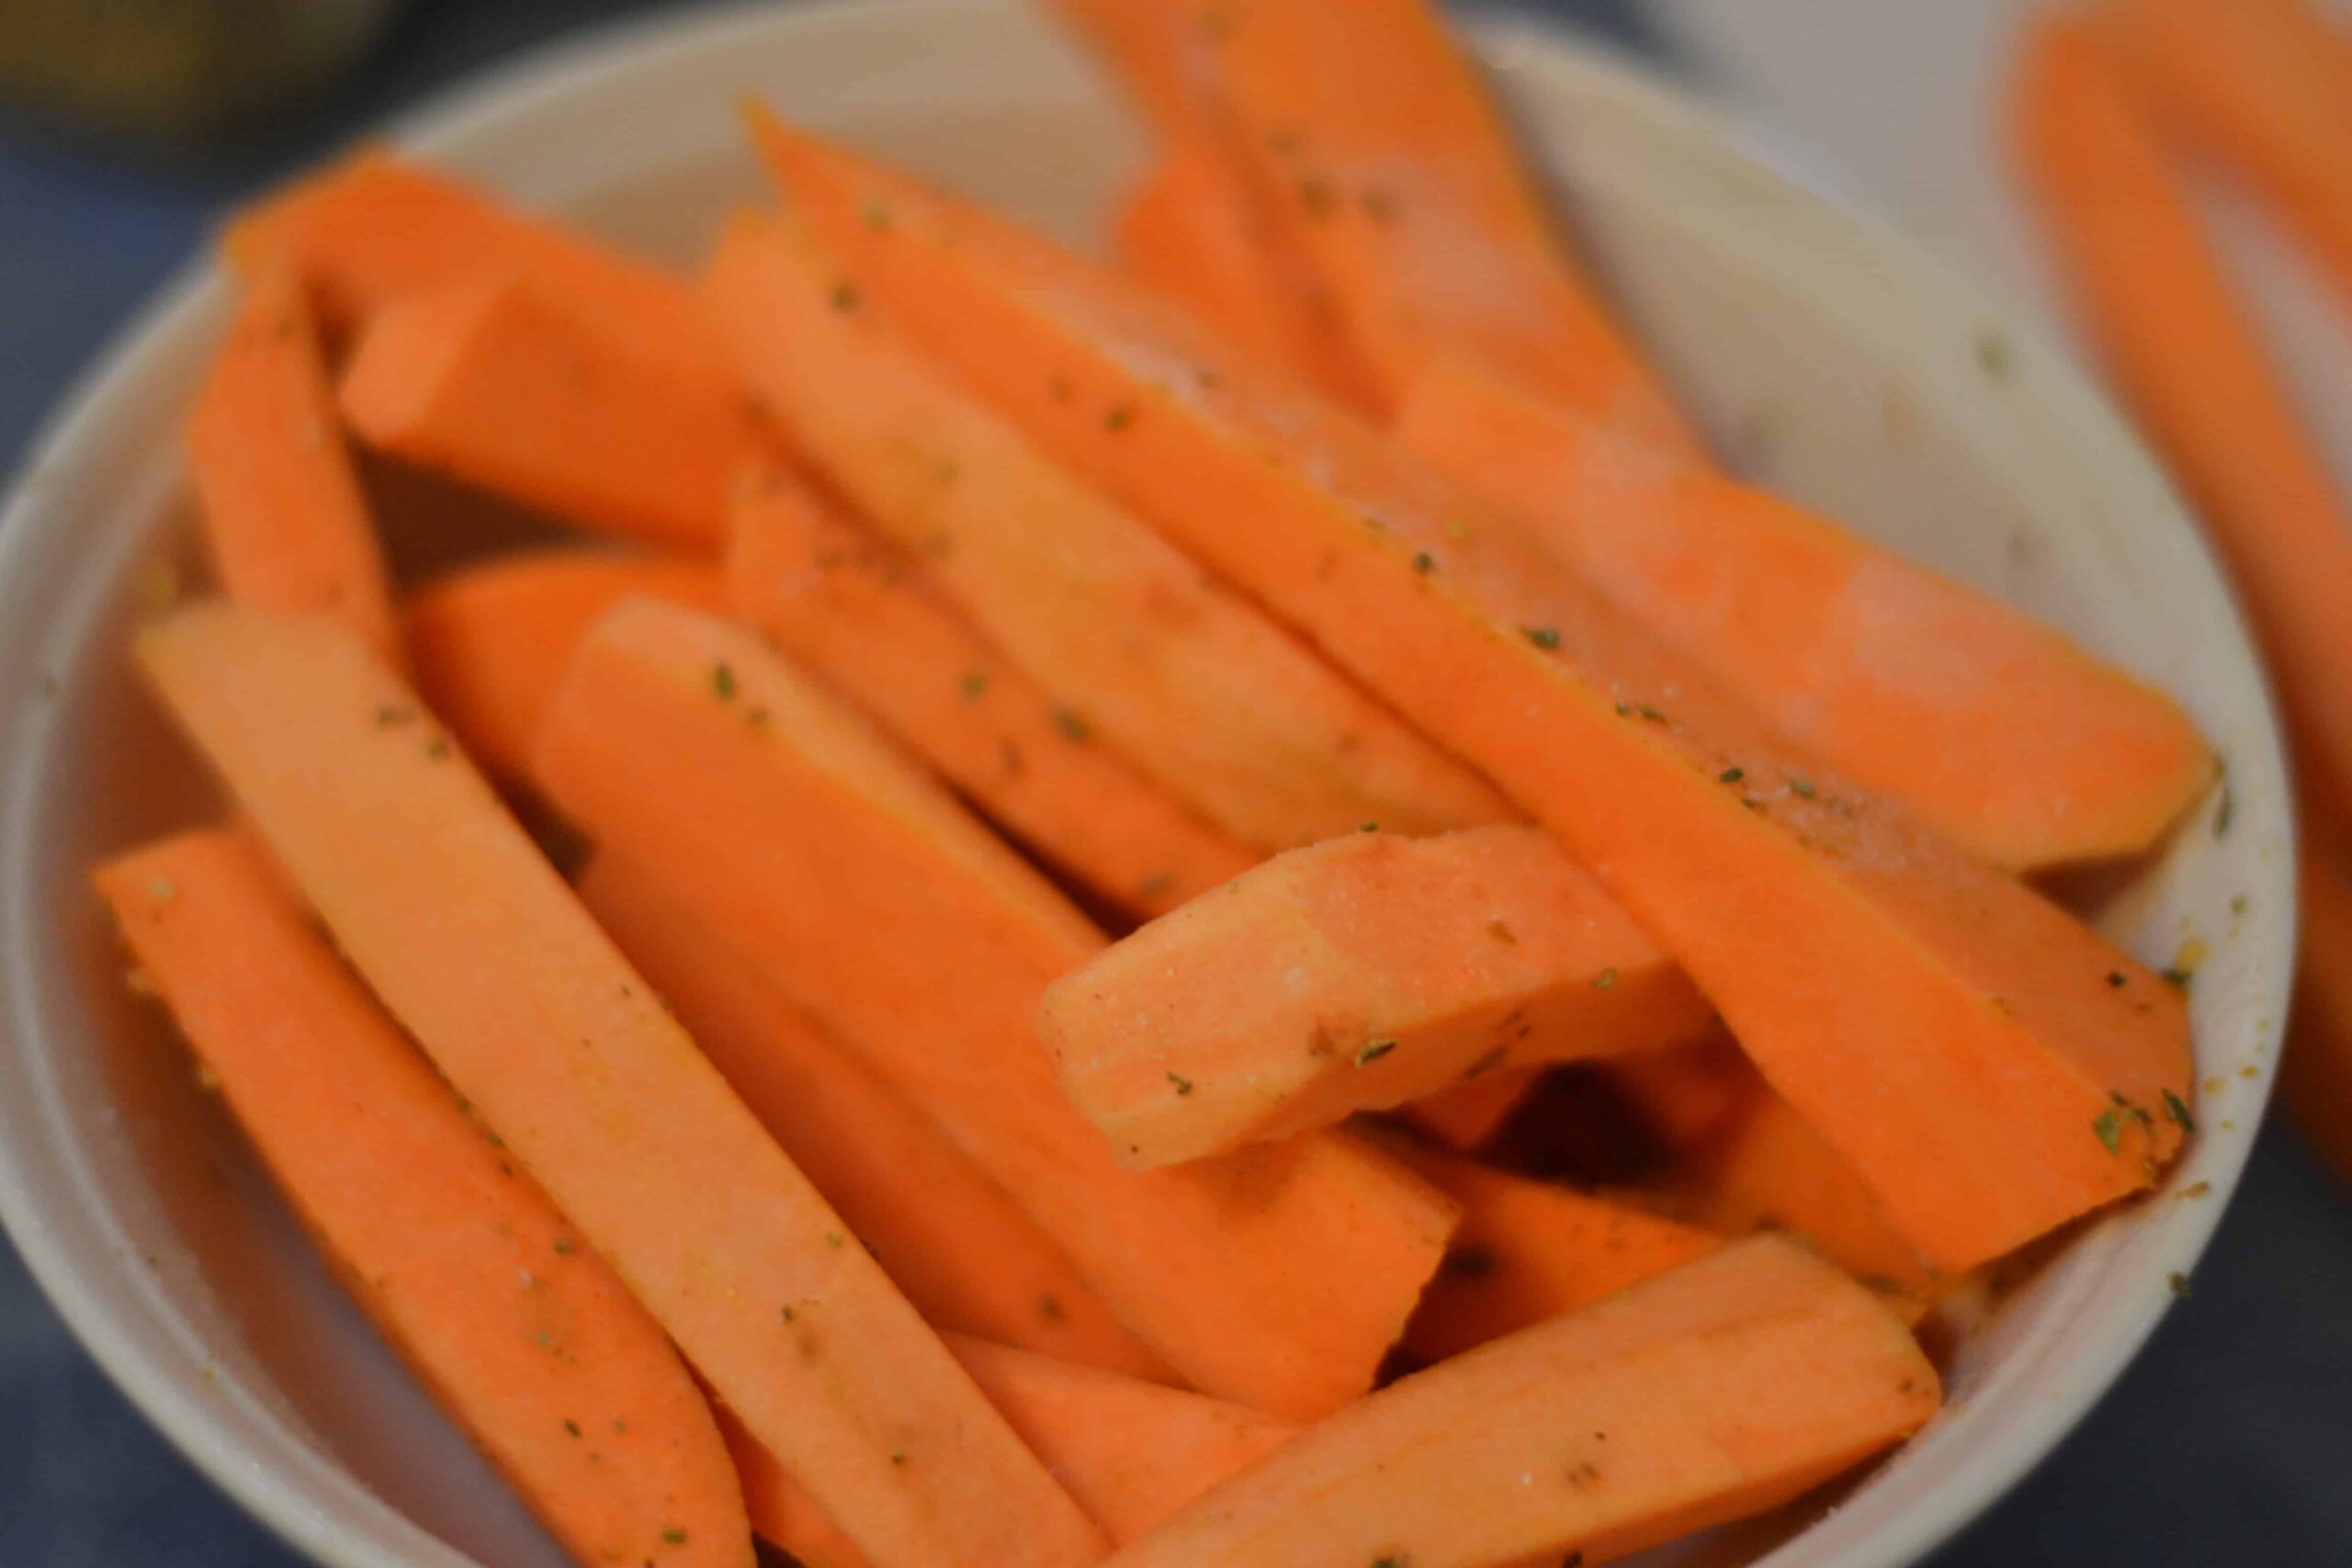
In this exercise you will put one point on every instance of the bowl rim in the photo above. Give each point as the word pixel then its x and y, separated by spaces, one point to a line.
pixel 444 120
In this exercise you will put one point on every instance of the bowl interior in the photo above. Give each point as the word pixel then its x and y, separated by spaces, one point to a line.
pixel 1831 358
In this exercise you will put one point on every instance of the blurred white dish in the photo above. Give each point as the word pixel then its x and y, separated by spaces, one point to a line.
pixel 1847 365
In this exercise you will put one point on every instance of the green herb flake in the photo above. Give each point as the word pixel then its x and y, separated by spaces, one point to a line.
pixel 1803 787
pixel 1731 775
pixel 1374 1051
pixel 392 714
pixel 835 1240
pixel 845 298
pixel 1424 562
pixel 1184 1085
pixel 1546 638
pixel 1119 417
pixel 674 1537
pixel 571 1427
pixel 2109 1126
pixel 1649 713
pixel 565 1246
pixel 973 685
pixel 1072 725
pixel 1367 827
pixel 2227 811
pixel 2176 977
pixel 1605 980
pixel 436 751
pixel 788 1314
pixel 2177 1108
pixel 722 681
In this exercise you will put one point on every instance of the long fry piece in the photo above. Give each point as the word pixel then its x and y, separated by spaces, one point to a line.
pixel 284 516
pixel 476 945
pixel 522 1332
pixel 2189 359
pixel 1986 726
pixel 1701 1394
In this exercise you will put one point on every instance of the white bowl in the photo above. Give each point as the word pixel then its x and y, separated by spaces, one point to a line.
pixel 1850 369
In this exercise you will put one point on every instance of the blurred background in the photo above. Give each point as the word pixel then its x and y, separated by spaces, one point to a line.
pixel 127 126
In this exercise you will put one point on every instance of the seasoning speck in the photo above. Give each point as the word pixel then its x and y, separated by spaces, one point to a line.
pixel 722 681
pixel 1072 724
pixel 1803 787
pixel 1120 416
pixel 565 1246
pixel 834 1238
pixel 1424 562
pixel 1605 980
pixel 973 685
pixel 1374 1051
pixel 1547 637
pixel 845 298
pixel 674 1537
pixel 2177 1108
pixel 1184 1085
pixel 1731 775
pixel 2117 978
pixel 1367 827
pixel 2177 1282
pixel 571 1427
pixel 163 889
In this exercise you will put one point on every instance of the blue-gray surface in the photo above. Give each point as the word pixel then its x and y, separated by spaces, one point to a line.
pixel 2226 1442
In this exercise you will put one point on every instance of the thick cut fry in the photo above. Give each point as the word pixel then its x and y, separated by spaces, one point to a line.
pixel 1132 1453
pixel 1714 1390
pixel 283 517
pixel 866 618
pixel 963 1252
pixel 1988 728
pixel 1467 1114
pixel 1355 975
pixel 1275 1279
pixel 2188 360
pixel 505 386
pixel 479 950
pixel 1215 701
pixel 1193 233
pixel 1821 924
pixel 525 1336
pixel 2266 87
pixel 375 228
pixel 1385 164
pixel 489 641
pixel 1527 1251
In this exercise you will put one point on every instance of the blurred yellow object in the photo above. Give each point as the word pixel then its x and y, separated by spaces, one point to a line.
pixel 180 69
